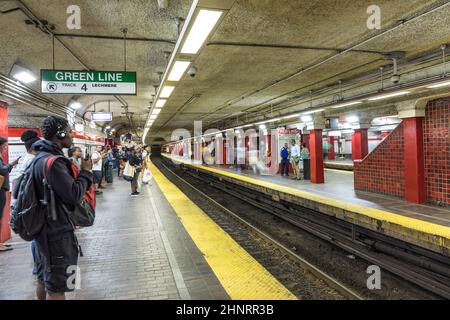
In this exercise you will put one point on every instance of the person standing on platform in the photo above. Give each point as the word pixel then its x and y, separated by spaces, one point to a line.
pixel 97 168
pixel 57 250
pixel 135 161
pixel 304 156
pixel 75 155
pixel 5 169
pixel 285 160
pixel 295 159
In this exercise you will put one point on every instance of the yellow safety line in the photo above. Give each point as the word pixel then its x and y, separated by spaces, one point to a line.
pixel 242 277
pixel 378 214
pixel 339 170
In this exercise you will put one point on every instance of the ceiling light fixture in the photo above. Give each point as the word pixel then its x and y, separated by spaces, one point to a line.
pixel 178 70
pixel 389 95
pixel 153 117
pixel 314 111
pixel 24 77
pixel 439 85
pixel 75 105
pixel 156 111
pixel 346 104
pixel 166 91
pixel 160 103
pixel 202 27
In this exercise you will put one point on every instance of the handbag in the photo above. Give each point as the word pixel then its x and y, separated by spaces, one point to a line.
pixel 147 176
pixel 2 180
pixel 129 172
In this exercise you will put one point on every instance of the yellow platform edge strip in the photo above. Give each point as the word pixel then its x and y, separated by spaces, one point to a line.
pixel 242 277
pixel 378 214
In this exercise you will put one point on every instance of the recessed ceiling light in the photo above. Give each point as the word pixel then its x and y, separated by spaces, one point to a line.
pixel 24 77
pixel 153 117
pixel 156 111
pixel 389 95
pixel 75 105
pixel 166 91
pixel 178 69
pixel 202 27
pixel 160 103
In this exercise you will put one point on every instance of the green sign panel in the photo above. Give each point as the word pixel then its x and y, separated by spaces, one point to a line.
pixel 88 82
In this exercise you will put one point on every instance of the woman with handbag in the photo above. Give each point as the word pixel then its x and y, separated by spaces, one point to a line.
pixel 5 169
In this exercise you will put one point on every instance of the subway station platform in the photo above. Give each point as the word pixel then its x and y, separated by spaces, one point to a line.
pixel 422 225
pixel 156 246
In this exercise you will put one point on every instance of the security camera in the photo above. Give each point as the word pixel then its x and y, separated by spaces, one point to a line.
pixel 395 78
pixel 192 72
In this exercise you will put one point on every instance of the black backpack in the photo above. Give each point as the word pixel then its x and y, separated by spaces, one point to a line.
pixel 28 215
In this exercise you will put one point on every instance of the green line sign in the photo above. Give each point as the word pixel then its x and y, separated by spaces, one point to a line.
pixel 88 82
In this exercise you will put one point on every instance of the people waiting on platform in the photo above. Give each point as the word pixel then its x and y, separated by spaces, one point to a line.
pixel 75 155
pixel 5 169
pixel 284 154
pixel 97 169
pixel 295 159
pixel 57 250
pixel 135 161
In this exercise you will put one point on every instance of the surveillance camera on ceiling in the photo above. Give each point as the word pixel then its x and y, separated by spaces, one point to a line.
pixel 192 72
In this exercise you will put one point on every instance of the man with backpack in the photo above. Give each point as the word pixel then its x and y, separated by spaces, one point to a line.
pixel 285 160
pixel 56 251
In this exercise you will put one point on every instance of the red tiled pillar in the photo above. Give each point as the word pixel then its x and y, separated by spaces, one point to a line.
pixel 360 144
pixel 331 155
pixel 316 153
pixel 5 231
pixel 414 160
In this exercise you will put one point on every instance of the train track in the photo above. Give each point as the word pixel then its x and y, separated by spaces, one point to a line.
pixel 418 266
pixel 330 281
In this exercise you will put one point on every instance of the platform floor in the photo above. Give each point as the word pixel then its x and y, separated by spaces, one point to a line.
pixel 137 249
pixel 339 185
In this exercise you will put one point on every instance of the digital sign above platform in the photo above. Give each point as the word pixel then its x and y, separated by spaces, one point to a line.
pixel 101 117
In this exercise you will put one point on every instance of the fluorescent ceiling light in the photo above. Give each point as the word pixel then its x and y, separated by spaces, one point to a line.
pixel 202 27
pixel 262 127
pixel 75 105
pixel 156 111
pixel 166 91
pixel 346 104
pixel 291 116
pixel 24 77
pixel 108 127
pixel 314 111
pixel 153 117
pixel 389 95
pixel 439 85
pixel 178 69
pixel 160 103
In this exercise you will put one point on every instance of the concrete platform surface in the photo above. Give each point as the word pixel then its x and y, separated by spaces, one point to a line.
pixel 137 249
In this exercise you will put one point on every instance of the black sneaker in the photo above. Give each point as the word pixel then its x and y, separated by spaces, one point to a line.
pixel 135 194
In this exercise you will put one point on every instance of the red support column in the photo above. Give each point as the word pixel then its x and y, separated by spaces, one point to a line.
pixel 5 231
pixel 360 144
pixel 316 152
pixel 331 155
pixel 414 160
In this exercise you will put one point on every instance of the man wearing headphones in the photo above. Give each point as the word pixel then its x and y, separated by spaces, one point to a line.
pixel 57 250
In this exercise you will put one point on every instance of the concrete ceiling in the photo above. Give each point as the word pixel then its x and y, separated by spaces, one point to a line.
pixel 257 43
pixel 250 50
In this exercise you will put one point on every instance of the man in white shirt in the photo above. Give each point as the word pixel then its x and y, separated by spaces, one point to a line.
pixel 97 168
pixel 295 159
